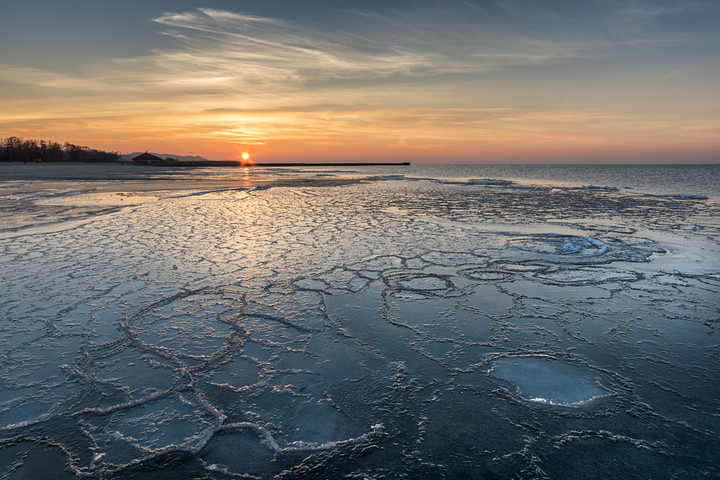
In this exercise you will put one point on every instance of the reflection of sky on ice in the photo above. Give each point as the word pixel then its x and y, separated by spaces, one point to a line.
pixel 465 328
pixel 548 381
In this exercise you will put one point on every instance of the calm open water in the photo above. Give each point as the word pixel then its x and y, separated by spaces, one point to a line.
pixel 656 179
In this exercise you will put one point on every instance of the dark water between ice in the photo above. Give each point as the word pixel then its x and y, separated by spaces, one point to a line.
pixel 452 327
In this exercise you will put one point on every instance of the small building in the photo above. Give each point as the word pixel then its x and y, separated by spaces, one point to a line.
pixel 147 159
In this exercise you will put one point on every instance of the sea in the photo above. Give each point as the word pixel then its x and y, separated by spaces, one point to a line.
pixel 655 179
pixel 360 322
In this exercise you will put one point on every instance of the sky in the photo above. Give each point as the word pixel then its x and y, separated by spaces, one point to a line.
pixel 511 81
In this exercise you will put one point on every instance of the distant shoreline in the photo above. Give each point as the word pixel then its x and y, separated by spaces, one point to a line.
pixel 219 163
pixel 235 163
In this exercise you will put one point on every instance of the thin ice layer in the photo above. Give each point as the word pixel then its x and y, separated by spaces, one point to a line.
pixel 546 380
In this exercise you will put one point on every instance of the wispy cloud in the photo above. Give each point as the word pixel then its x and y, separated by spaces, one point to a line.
pixel 364 46
pixel 47 79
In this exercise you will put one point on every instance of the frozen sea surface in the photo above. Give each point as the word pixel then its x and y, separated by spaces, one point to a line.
pixel 544 380
pixel 366 327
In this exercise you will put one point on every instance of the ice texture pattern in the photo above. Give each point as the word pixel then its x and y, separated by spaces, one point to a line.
pixel 374 327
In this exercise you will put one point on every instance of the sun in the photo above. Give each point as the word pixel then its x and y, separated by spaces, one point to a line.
pixel 245 156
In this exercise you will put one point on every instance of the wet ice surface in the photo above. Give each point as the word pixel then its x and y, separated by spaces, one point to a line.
pixel 540 379
pixel 384 329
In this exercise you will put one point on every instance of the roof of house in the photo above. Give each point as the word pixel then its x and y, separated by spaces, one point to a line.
pixel 147 156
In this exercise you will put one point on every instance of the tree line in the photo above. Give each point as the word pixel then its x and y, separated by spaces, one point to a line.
pixel 14 149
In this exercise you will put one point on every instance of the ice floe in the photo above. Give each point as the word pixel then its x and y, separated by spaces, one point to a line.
pixel 549 381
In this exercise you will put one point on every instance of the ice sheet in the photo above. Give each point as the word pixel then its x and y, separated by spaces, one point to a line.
pixel 379 327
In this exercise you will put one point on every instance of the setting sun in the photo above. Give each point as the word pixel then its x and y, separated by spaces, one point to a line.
pixel 245 156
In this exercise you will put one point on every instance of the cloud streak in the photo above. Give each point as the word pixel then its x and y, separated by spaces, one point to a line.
pixel 365 46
